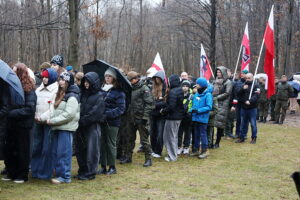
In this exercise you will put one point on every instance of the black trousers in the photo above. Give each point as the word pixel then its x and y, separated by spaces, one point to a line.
pixel 17 153
pixel 156 134
pixel 184 128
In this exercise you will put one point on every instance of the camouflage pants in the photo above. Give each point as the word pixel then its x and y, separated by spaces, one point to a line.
pixel 280 110
pixel 272 105
pixel 263 109
pixel 229 123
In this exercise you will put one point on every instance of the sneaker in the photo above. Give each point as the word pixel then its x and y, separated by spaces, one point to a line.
pixel 155 155
pixel 186 151
pixel 179 151
pixel 167 159
pixel 6 178
pixel 203 155
pixel 196 153
pixel 19 180
pixel 55 181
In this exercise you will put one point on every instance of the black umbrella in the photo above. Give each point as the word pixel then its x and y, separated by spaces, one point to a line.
pixel 100 67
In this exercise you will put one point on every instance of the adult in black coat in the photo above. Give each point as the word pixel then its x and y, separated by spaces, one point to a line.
pixel 92 109
pixel 20 122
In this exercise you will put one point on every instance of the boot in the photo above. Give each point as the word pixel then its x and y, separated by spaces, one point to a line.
pixel 127 159
pixel 111 170
pixel 102 170
pixel 264 120
pixel 296 178
pixel 240 140
pixel 253 141
pixel 276 122
pixel 260 119
pixel 147 163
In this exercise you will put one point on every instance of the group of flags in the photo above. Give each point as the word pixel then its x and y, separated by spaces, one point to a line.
pixel 269 69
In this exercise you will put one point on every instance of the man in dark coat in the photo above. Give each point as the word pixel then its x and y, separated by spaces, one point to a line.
pixel 248 109
pixel 139 111
pixel 92 109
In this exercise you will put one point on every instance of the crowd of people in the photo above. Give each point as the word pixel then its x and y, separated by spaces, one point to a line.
pixel 180 113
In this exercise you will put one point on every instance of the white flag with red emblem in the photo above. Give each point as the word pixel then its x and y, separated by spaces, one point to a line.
pixel 246 50
pixel 205 69
pixel 270 55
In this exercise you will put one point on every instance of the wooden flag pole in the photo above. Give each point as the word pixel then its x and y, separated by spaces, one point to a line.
pixel 257 64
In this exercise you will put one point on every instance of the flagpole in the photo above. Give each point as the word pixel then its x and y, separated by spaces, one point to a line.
pixel 237 62
pixel 257 64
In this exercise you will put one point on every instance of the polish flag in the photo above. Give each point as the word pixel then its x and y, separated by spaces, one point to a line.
pixel 155 67
pixel 205 69
pixel 246 50
pixel 270 55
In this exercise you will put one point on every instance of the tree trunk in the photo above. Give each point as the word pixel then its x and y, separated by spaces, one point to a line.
pixel 289 37
pixel 213 34
pixel 74 33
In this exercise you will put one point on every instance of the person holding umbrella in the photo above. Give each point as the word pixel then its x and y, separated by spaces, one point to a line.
pixel 20 122
pixel 114 99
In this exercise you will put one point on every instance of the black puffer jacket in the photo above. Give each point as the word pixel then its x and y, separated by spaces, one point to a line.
pixel 92 105
pixel 23 116
pixel 160 103
pixel 4 102
pixel 245 93
pixel 174 108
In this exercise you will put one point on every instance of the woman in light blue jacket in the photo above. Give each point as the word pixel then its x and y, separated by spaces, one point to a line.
pixel 202 105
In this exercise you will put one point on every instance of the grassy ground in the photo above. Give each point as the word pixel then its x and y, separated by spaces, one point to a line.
pixel 235 171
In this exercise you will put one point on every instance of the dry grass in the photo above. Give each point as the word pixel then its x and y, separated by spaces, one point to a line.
pixel 235 171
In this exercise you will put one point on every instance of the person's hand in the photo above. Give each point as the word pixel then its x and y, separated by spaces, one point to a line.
pixel 232 109
pixel 37 119
pixel 247 102
pixel 194 111
pixel 245 87
pixel 48 122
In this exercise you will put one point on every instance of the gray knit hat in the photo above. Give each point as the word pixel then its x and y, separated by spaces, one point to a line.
pixel 110 71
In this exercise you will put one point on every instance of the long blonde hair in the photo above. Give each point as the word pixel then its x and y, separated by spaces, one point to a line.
pixel 157 88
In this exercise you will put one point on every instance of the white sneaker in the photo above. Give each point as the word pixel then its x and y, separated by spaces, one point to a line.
pixel 154 155
pixel 55 181
pixel 167 159
pixel 19 181
pixel 6 178
pixel 186 151
pixel 179 151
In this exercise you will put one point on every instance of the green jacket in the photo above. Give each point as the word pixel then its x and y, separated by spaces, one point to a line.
pixel 284 90
pixel 274 96
pixel 66 116
pixel 263 94
pixel 141 102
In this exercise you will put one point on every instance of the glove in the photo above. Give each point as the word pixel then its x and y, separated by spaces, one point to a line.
pixel 194 111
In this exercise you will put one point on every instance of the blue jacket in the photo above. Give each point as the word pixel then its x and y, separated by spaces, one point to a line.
pixel 114 106
pixel 202 103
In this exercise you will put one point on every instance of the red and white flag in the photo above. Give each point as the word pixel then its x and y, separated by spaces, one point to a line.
pixel 155 67
pixel 246 50
pixel 270 55
pixel 205 69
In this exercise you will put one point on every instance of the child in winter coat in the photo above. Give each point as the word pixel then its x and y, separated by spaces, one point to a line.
pixel 202 105
pixel 64 122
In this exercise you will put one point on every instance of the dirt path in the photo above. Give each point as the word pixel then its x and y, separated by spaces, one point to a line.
pixel 291 119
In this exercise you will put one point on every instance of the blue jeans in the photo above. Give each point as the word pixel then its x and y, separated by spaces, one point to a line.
pixel 62 154
pixel 41 162
pixel 238 120
pixel 248 115
pixel 200 132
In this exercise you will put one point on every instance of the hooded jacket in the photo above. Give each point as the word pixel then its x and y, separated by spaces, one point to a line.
pixel 141 101
pixel 4 104
pixel 46 97
pixel 174 107
pixel 223 98
pixel 92 105
pixel 160 103
pixel 66 116
pixel 202 104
